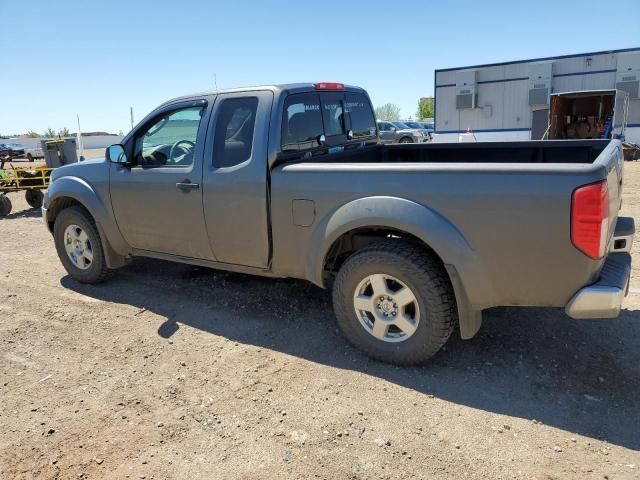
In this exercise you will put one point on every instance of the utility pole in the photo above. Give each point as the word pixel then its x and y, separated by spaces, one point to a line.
pixel 215 80
pixel 79 138
pixel 131 113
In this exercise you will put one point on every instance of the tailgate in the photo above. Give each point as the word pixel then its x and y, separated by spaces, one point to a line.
pixel 615 172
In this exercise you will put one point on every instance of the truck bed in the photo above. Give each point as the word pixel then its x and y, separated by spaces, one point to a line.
pixel 510 202
pixel 580 152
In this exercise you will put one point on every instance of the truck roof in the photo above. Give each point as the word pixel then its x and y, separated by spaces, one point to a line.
pixel 276 88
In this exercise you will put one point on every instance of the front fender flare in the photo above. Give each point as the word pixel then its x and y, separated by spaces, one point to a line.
pixel 78 189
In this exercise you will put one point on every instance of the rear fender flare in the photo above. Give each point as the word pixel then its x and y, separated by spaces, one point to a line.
pixel 437 232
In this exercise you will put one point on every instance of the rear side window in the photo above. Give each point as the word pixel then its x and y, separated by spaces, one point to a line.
pixel 363 123
pixel 301 122
pixel 233 139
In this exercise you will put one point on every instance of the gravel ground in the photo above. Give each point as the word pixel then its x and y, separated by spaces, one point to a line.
pixel 173 371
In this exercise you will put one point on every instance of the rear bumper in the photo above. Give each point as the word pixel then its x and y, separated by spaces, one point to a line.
pixel 604 298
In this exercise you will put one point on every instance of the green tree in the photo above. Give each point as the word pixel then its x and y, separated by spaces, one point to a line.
pixel 49 133
pixel 425 108
pixel 388 111
pixel 32 134
pixel 64 132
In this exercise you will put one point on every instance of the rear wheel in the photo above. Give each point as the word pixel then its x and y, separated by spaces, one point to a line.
pixel 5 206
pixel 79 247
pixel 406 140
pixel 34 198
pixel 394 301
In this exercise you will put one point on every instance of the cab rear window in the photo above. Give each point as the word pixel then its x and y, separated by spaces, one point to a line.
pixel 358 108
pixel 302 122
pixel 308 116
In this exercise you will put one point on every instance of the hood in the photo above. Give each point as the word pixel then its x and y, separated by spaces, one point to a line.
pixel 80 169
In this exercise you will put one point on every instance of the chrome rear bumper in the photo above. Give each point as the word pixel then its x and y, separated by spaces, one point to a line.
pixel 604 298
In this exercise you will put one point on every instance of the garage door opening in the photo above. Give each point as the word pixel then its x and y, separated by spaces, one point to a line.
pixel 599 114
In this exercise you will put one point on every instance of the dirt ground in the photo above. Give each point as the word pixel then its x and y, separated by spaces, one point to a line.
pixel 173 371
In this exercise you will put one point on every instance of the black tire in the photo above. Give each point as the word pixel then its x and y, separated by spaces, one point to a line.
pixel 29 157
pixel 97 271
pixel 34 198
pixel 406 140
pixel 419 270
pixel 5 206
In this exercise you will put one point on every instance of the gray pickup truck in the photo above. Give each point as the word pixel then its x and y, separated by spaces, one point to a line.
pixel 414 240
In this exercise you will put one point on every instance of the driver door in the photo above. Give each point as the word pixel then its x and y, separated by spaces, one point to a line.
pixel 157 198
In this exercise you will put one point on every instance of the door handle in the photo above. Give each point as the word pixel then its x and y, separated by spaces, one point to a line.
pixel 187 185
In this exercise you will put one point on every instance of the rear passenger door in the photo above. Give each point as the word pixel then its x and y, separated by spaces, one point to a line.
pixel 235 184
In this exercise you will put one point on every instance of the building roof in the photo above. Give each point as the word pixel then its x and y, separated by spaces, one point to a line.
pixel 576 55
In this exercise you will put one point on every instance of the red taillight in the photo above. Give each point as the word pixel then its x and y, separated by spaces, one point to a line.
pixel 328 86
pixel 590 219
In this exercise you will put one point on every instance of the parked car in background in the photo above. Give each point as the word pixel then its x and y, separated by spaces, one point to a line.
pixel 5 152
pixel 17 150
pixel 418 126
pixel 398 132
pixel 32 153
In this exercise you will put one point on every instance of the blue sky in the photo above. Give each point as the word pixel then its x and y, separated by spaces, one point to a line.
pixel 96 59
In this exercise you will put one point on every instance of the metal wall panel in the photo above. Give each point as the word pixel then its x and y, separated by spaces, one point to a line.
pixel 488 115
pixel 516 70
pixel 446 113
pixel 516 112
pixel 633 117
pixel 568 65
pixel 446 78
pixel 566 84
pixel 490 74
pixel 599 81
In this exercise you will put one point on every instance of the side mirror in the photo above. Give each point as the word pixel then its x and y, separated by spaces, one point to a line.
pixel 116 154
pixel 393 129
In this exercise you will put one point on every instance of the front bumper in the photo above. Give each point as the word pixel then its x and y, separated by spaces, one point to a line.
pixel 604 298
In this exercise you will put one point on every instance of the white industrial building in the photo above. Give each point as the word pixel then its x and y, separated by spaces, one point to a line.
pixel 510 100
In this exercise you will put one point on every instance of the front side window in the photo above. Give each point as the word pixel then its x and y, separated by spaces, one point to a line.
pixel 363 123
pixel 171 140
pixel 234 131
pixel 302 122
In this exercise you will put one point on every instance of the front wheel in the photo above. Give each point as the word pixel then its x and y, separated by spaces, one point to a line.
pixel 394 301
pixel 29 157
pixel 406 140
pixel 79 247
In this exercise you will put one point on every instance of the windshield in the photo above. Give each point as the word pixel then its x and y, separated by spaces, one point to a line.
pixel 399 125
pixel 413 124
